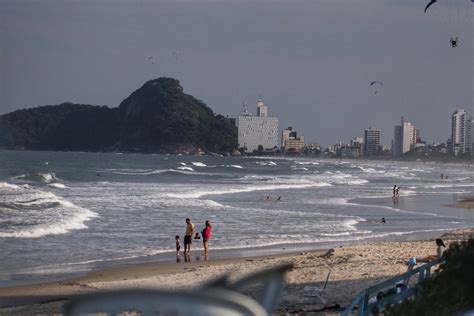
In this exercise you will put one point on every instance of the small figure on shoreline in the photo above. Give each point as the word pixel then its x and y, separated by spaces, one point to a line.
pixel 383 220
pixel 279 198
pixel 178 245
pixel 268 198
pixel 394 190
pixel 398 191
pixel 197 236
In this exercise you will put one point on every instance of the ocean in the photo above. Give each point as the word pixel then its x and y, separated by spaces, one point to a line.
pixel 63 213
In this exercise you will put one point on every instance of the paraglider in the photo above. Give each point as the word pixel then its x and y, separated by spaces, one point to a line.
pixel 374 84
pixel 429 4
pixel 454 42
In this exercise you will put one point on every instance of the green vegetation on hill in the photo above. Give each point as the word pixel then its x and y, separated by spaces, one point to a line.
pixel 450 292
pixel 156 117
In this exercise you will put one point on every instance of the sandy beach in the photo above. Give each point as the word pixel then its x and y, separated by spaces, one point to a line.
pixel 353 268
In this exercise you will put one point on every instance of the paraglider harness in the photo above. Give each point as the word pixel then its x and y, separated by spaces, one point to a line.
pixel 454 42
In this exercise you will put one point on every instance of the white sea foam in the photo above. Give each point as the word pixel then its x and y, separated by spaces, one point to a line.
pixel 265 163
pixel 186 168
pixel 57 185
pixel 234 166
pixel 48 177
pixel 242 189
pixel 306 163
pixel 299 168
pixel 9 185
pixel 45 213
pixel 199 164
pixel 452 185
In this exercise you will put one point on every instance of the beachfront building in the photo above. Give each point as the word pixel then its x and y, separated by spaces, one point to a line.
pixel 371 141
pixel 255 131
pixel 404 138
pixel 470 136
pixel 290 142
pixel 460 133
pixel 352 150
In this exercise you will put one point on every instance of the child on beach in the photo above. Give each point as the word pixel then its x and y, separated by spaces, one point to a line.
pixel 178 245
pixel 197 236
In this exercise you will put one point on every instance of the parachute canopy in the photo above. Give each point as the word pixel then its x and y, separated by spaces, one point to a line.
pixel 376 82
pixel 430 4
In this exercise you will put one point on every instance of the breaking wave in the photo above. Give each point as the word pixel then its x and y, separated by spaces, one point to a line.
pixel 31 213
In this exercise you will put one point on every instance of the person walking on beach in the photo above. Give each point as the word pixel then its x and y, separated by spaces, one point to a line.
pixel 188 236
pixel 394 190
pixel 206 235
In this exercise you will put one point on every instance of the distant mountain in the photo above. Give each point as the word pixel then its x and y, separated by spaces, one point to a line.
pixel 156 117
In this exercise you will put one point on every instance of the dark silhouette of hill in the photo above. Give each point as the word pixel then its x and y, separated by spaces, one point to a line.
pixel 159 116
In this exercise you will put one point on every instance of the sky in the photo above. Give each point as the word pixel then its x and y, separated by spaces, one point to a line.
pixel 310 60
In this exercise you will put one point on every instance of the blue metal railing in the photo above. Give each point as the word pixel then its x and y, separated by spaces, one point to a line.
pixel 362 299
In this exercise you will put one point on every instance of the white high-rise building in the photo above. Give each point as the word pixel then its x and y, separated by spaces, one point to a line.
pixel 257 130
pixel 459 131
pixel 404 138
pixel 262 109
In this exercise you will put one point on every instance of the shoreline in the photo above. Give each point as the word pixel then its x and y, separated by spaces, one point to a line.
pixel 78 270
pixel 352 267
pixel 167 259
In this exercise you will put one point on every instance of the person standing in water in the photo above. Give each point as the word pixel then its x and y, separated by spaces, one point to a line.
pixel 206 235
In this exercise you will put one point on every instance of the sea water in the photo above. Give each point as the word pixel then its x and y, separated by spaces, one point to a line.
pixel 62 212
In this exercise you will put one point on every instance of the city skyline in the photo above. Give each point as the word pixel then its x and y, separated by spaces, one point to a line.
pixel 298 55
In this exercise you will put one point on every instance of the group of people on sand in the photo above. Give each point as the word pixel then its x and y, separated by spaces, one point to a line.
pixel 188 239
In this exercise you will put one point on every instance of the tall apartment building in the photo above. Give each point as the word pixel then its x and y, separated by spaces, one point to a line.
pixel 290 140
pixel 257 130
pixel 460 133
pixel 404 138
pixel 469 135
pixel 371 141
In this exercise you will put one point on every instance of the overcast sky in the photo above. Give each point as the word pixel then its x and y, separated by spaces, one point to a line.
pixel 312 61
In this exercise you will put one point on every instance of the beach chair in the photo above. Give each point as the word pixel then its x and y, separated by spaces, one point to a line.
pixel 317 291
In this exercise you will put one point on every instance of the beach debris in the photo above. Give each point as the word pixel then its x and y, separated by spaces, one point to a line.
pixel 328 253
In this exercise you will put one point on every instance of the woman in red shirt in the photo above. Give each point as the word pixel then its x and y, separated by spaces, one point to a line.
pixel 206 235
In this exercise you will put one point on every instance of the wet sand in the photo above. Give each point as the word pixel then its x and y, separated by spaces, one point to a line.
pixel 353 268
pixel 464 203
